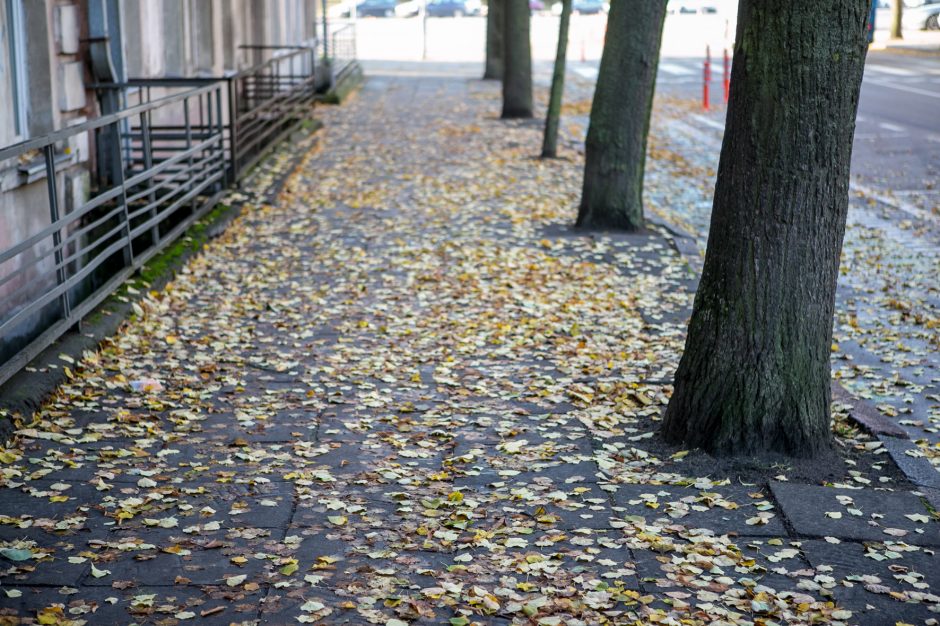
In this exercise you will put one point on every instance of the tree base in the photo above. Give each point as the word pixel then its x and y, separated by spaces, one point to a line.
pixel 609 221
pixel 516 114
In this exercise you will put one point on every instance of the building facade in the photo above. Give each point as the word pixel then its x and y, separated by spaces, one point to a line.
pixel 65 64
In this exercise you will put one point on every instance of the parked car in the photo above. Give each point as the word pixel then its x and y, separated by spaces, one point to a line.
pixel 587 7
pixel 451 8
pixel 410 8
pixel 343 9
pixel 921 15
pixel 691 8
pixel 376 8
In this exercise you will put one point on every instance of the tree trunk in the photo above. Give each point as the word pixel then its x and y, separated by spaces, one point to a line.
pixel 517 49
pixel 897 13
pixel 615 151
pixel 755 375
pixel 494 41
pixel 552 119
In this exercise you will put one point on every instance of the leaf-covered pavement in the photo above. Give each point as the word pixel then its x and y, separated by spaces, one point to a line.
pixel 406 393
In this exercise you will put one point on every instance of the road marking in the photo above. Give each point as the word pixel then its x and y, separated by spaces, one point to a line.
pixel 894 128
pixel 887 69
pixel 907 207
pixel 587 72
pixel 672 68
pixel 708 122
pixel 920 92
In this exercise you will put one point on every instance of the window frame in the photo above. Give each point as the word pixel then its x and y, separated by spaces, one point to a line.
pixel 17 55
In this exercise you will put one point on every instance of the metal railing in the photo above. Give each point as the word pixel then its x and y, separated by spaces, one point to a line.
pixel 153 179
pixel 269 100
pixel 263 103
pixel 342 51
pixel 158 165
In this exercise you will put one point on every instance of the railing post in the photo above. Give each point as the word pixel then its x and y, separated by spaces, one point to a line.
pixel 147 147
pixel 189 144
pixel 326 33
pixel 232 131
pixel 60 275
pixel 220 128
pixel 117 178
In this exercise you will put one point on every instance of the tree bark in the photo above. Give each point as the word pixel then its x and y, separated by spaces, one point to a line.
pixel 615 151
pixel 517 77
pixel 494 41
pixel 755 375
pixel 552 119
pixel 897 13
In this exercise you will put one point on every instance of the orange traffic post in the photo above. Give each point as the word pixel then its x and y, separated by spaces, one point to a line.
pixel 726 83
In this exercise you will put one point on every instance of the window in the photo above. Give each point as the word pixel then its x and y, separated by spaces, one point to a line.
pixel 13 93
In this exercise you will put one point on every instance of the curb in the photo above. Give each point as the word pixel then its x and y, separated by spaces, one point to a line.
pixel 350 81
pixel 911 50
pixel 28 389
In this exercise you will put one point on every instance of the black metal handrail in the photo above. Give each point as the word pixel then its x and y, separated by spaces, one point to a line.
pixel 159 164
pixel 343 51
pixel 148 189
pixel 264 102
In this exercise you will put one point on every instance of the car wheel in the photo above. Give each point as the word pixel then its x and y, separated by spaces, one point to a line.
pixel 933 23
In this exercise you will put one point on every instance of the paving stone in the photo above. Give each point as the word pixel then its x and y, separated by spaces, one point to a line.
pixel 917 468
pixel 894 589
pixel 817 512
pixel 75 604
pixel 720 510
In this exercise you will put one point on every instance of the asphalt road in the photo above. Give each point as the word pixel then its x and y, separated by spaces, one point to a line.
pixel 897 142
pixel 897 137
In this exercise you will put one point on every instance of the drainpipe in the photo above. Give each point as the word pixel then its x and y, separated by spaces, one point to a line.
pixel 101 48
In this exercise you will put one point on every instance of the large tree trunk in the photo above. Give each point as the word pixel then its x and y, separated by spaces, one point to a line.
pixel 755 375
pixel 615 152
pixel 517 77
pixel 897 14
pixel 494 41
pixel 552 119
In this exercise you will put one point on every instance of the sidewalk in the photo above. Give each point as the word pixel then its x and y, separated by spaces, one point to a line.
pixel 921 43
pixel 408 393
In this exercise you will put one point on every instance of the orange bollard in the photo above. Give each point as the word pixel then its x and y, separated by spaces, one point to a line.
pixel 726 83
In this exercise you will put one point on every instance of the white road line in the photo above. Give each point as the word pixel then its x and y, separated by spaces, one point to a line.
pixel 920 92
pixel 907 207
pixel 708 122
pixel 894 128
pixel 587 72
pixel 887 69
pixel 672 68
